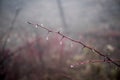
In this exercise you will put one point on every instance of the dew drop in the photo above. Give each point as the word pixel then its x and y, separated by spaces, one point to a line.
pixel 93 50
pixel 47 38
pixel 36 26
pixel 71 66
pixel 42 25
pixel 60 42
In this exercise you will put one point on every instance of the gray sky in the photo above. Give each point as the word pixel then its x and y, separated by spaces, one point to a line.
pixel 73 16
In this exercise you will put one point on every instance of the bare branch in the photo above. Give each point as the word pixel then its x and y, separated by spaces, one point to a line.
pixel 79 42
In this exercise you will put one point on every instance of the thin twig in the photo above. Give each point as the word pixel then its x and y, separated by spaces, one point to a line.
pixel 92 61
pixel 79 42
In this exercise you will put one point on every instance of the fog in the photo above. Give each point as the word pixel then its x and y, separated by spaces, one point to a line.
pixel 73 16
pixel 29 52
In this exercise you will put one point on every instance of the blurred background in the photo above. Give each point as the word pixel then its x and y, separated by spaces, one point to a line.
pixel 30 53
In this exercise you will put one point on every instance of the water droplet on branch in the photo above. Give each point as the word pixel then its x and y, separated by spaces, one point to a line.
pixel 42 25
pixel 71 66
pixel 47 38
pixel 36 26
pixel 60 42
